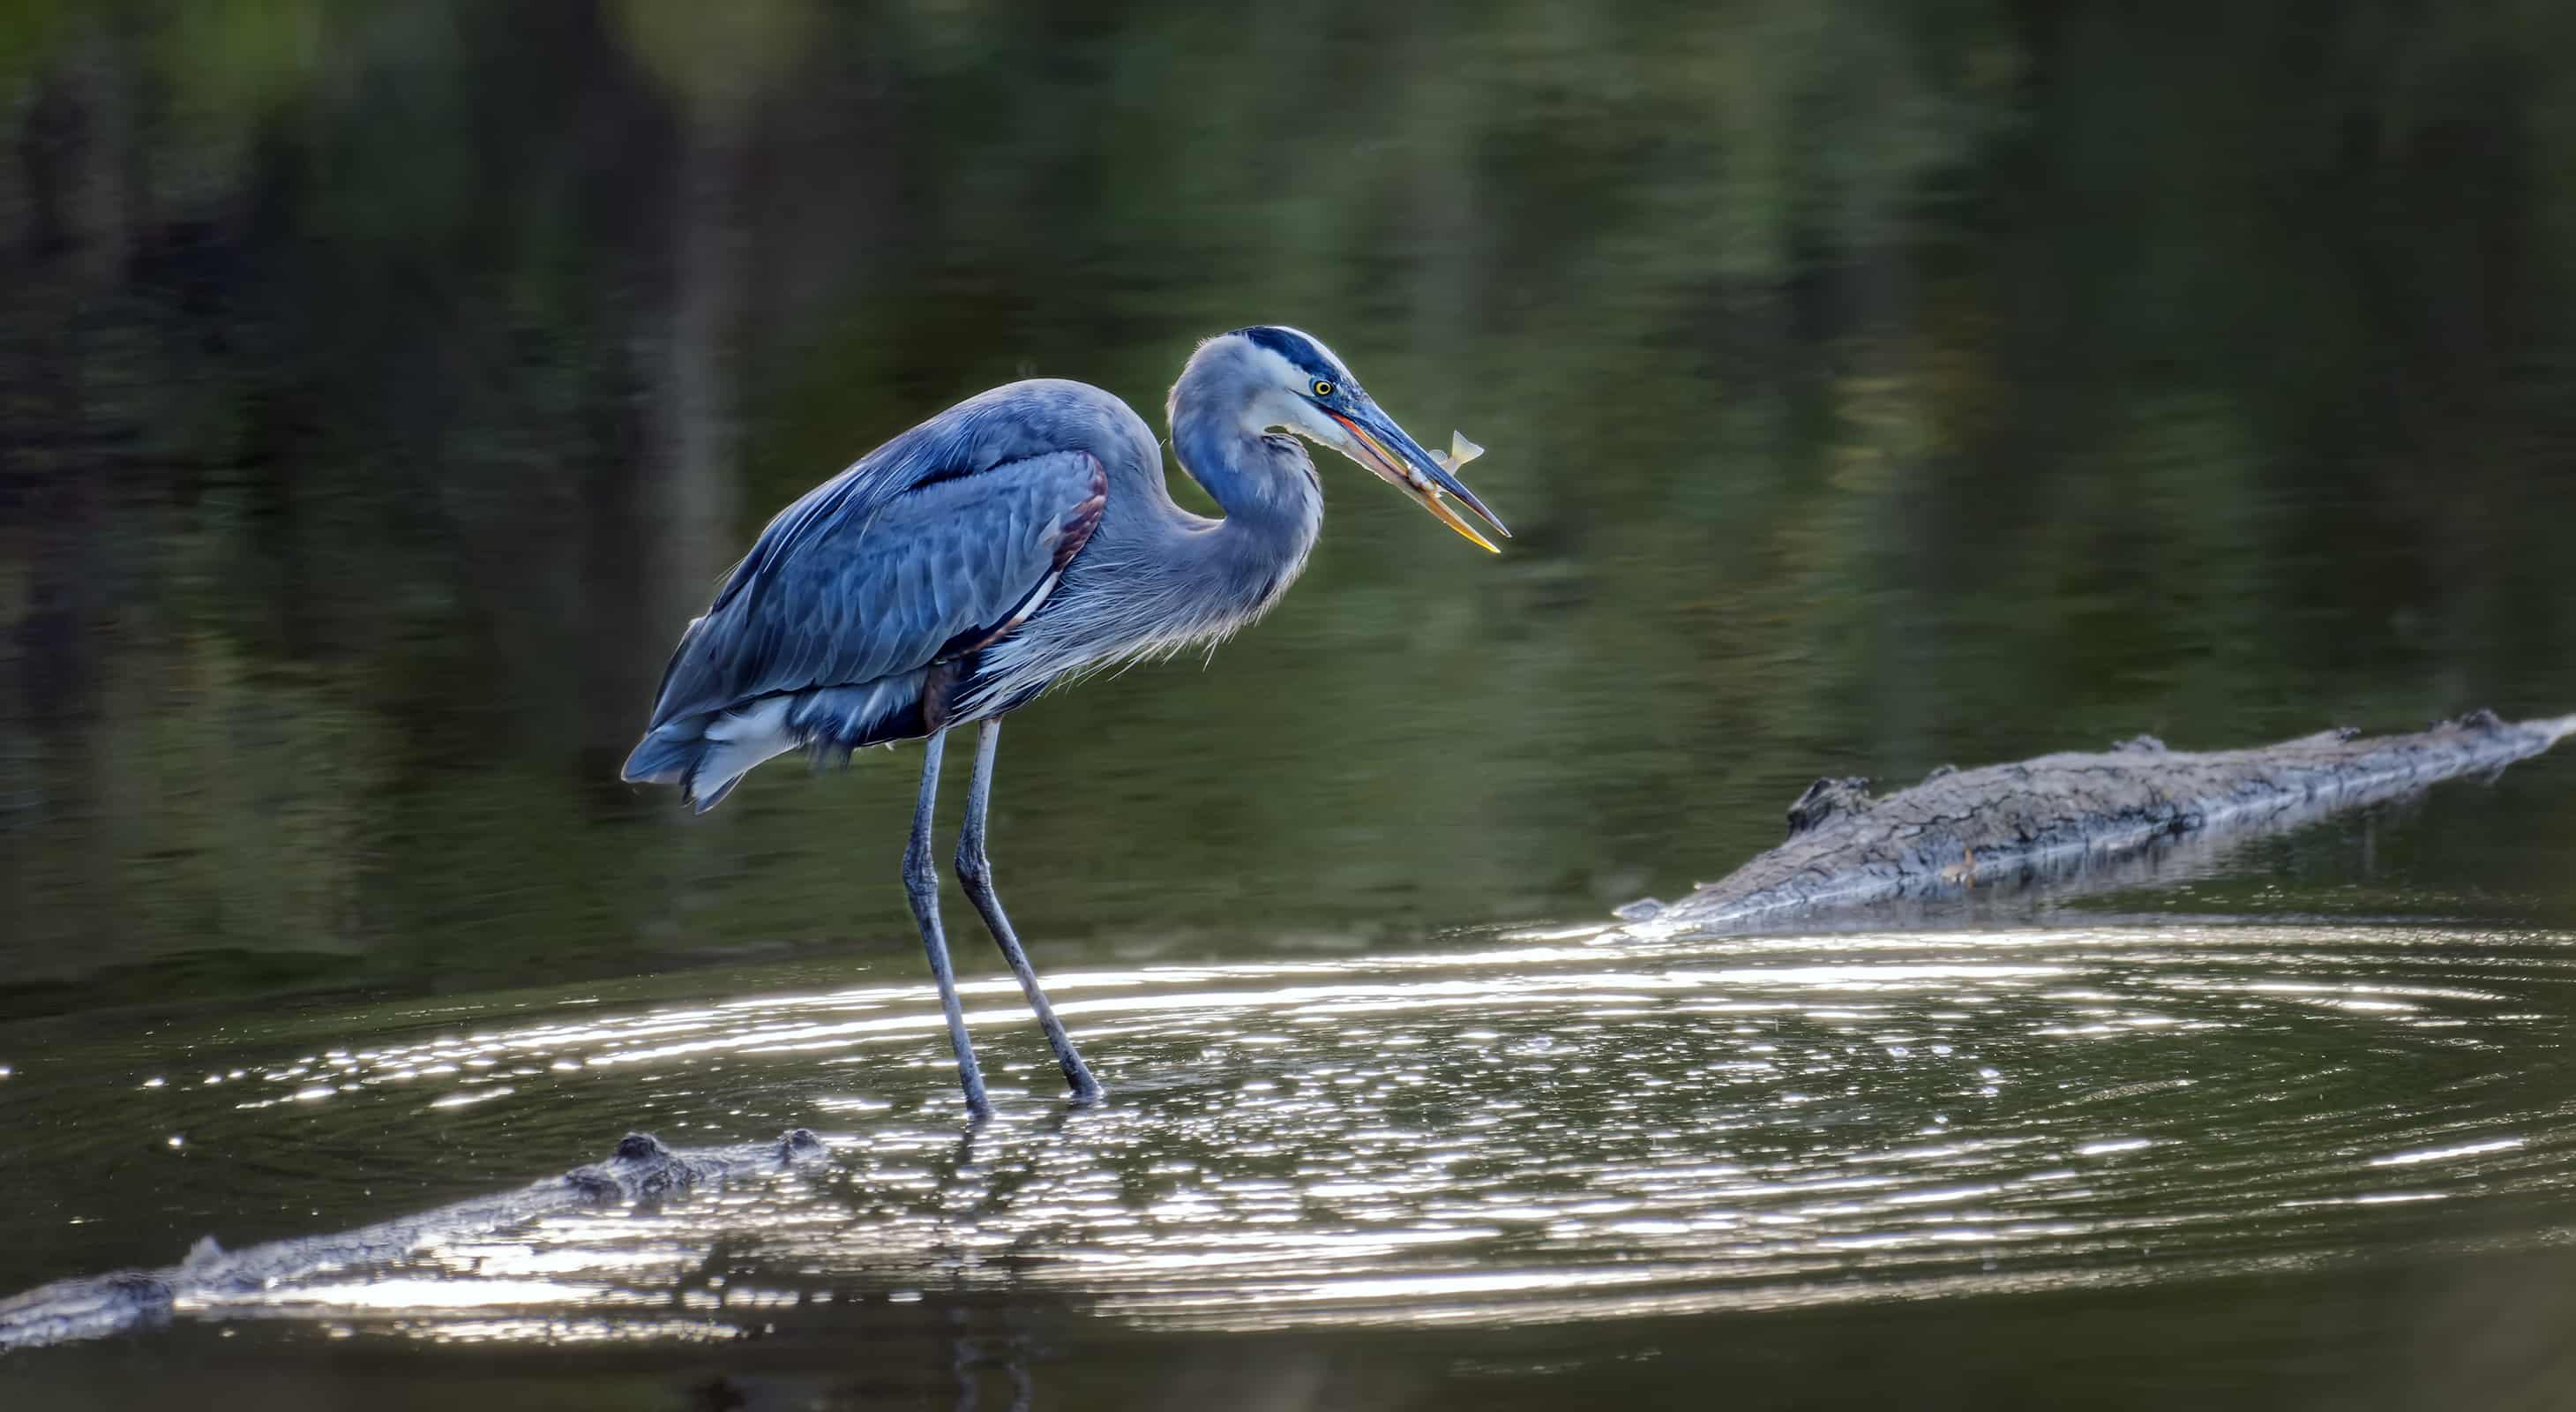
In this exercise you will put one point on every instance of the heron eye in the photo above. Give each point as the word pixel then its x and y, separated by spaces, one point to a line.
pixel 1323 388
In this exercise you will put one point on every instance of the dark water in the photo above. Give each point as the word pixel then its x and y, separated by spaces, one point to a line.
pixel 1872 387
pixel 1539 1163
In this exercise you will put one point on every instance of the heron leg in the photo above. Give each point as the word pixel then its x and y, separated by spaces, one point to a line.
pixel 975 870
pixel 921 884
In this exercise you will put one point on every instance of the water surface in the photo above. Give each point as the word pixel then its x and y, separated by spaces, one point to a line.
pixel 1497 1131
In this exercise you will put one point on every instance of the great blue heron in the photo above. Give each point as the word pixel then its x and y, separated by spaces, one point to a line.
pixel 1023 536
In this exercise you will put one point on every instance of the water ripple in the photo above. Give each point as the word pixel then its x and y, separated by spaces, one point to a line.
pixel 1536 1128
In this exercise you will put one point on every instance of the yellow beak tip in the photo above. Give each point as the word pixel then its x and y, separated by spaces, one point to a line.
pixel 1440 510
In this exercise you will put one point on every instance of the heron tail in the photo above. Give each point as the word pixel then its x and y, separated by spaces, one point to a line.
pixel 707 755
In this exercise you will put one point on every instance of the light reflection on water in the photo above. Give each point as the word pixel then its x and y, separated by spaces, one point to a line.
pixel 1538 1127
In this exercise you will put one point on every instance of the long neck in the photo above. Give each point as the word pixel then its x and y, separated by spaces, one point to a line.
pixel 1266 486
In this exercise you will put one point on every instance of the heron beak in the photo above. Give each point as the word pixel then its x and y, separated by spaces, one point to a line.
pixel 1399 460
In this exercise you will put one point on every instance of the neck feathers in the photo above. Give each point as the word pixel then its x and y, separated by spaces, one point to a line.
pixel 1221 433
pixel 1265 483
pixel 1157 579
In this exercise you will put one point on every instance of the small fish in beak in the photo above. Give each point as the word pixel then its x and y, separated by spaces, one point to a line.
pixel 1427 476
pixel 1460 452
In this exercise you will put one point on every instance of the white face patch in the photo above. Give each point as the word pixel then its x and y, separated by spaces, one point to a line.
pixel 1284 401
pixel 1272 371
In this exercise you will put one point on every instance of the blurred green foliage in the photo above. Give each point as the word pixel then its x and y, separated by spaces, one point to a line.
pixel 1872 385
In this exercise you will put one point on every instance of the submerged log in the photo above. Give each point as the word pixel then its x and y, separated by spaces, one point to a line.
pixel 2071 815
pixel 212 1280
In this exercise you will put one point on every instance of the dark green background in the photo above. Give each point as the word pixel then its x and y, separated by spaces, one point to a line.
pixel 1871 386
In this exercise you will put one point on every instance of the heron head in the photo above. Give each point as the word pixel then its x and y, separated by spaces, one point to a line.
pixel 1296 383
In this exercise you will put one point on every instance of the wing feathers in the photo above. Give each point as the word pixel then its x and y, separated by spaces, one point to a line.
pixel 847 588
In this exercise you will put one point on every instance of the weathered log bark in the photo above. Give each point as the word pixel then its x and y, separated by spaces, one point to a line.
pixel 640 1170
pixel 2066 816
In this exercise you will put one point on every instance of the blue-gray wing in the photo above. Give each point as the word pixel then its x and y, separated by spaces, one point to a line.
pixel 855 583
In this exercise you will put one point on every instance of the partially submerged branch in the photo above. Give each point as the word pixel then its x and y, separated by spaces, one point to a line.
pixel 2063 817
pixel 640 1170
